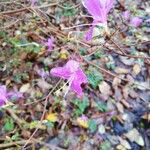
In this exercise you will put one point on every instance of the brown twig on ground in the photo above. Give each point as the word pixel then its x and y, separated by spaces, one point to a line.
pixel 26 9
pixel 118 46
pixel 22 142
pixel 127 55
pixel 104 70
pixel 43 114
pixel 6 145
pixel 47 144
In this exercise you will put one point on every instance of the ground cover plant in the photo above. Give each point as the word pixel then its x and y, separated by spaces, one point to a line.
pixel 75 74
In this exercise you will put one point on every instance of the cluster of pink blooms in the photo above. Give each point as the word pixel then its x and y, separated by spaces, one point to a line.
pixel 50 43
pixel 5 95
pixel 133 21
pixel 71 71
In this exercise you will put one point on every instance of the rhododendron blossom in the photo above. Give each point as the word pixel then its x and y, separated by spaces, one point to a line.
pixel 126 15
pixel 73 73
pixel 99 10
pixel 33 2
pixel 50 43
pixel 136 21
pixel 43 73
pixel 3 95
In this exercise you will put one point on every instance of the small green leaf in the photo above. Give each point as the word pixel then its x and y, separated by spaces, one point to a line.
pixel 81 105
pixel 105 146
pixel 15 137
pixel 94 77
pixel 9 125
pixel 83 51
pixel 92 125
pixel 49 124
pixel 111 64
pixel 101 107
pixel 69 10
pixel 99 54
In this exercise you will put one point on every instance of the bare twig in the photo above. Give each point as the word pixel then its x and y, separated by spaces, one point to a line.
pixel 26 9
pixel 22 142
pixel 43 114
pixel 104 70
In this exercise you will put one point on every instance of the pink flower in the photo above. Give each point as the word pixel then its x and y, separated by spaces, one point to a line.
pixel 43 73
pixel 14 95
pixel 3 95
pixel 99 10
pixel 72 72
pixel 33 2
pixel 126 15
pixel 50 43
pixel 136 21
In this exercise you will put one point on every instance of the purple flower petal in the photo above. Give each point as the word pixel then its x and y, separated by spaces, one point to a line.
pixel 89 34
pixel 79 78
pixel 3 95
pixel 98 9
pixel 66 71
pixel 126 15
pixel 43 73
pixel 50 43
pixel 136 21
pixel 60 72
pixel 33 2
pixel 93 7
pixel 108 4
pixel 15 94
pixel 72 72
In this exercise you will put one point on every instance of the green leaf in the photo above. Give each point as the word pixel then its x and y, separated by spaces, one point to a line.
pixel 9 124
pixel 69 10
pixel 105 146
pixel 111 64
pixel 49 124
pixel 92 125
pixel 81 105
pixel 94 77
pixel 33 124
pixel 101 107
pixel 15 137
pixel 99 54
pixel 83 51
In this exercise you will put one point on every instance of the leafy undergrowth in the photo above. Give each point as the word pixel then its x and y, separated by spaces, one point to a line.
pixel 42 111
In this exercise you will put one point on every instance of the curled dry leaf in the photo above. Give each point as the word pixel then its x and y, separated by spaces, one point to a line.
pixel 136 69
pixel 24 88
pixel 116 81
pixel 120 107
pixel 134 136
pixel 119 70
pixel 104 88
pixel 43 84
pixel 125 143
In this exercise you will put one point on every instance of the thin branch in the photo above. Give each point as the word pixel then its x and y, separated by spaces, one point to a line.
pixel 43 114
pixel 26 9
pixel 104 70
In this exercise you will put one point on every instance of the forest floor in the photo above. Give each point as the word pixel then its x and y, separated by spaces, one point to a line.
pixel 114 111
